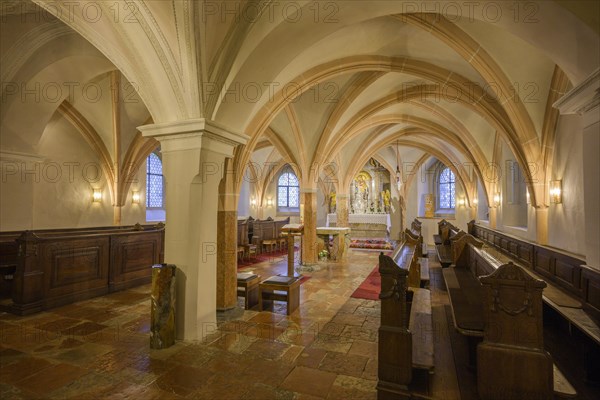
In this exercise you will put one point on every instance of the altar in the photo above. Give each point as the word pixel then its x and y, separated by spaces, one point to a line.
pixel 368 225
pixel 341 242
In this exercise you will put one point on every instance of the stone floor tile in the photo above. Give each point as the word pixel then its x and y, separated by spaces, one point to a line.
pixel 311 358
pixel 310 381
pixel 50 379
pixel 346 364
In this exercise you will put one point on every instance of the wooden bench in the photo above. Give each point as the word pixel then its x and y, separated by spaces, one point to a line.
pixel 415 229
pixel 572 295
pixel 405 333
pixel 406 255
pixel 530 370
pixel 444 249
pixel 62 266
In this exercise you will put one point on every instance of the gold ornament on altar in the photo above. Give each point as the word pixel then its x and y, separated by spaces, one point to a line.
pixel 387 196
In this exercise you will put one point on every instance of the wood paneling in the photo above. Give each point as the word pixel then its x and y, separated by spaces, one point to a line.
pixel 68 265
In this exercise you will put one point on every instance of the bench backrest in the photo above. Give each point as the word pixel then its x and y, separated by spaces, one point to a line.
pixel 407 257
pixel 394 366
pixel 511 358
pixel 279 224
pixel 265 229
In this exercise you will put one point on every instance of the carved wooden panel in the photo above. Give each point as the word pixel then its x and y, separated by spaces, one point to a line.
pixel 566 272
pixel 73 265
pixel 591 291
pixel 524 253
pixel 132 256
pixel 544 263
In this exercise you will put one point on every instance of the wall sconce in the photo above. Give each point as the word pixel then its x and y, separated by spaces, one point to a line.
pixel 556 191
pixel 497 199
pixel 96 196
pixel 462 201
pixel 253 201
pixel 475 201
pixel 135 197
pixel 269 202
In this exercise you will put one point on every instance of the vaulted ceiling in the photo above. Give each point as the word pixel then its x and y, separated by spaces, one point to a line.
pixel 316 84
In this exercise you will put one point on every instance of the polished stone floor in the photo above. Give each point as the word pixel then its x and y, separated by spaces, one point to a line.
pixel 99 349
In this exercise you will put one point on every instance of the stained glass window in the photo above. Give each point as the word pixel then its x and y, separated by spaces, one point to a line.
pixel 447 189
pixel 154 182
pixel 288 191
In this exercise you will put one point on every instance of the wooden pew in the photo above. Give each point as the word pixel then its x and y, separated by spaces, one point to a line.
pixel 418 268
pixel 406 331
pixel 444 250
pixel 572 295
pixel 415 229
pixel 243 243
pixel 56 267
pixel 268 239
pixel 471 303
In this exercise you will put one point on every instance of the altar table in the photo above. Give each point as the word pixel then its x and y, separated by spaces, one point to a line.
pixel 341 241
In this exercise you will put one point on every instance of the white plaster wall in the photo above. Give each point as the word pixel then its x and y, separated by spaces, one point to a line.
pixel 59 194
pixel 566 221
pixel 244 199
pixel 321 208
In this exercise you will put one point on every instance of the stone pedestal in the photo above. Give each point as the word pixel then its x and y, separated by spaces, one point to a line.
pixel 162 314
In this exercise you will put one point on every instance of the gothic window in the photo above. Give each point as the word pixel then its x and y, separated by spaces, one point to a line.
pixel 288 192
pixel 154 182
pixel 446 189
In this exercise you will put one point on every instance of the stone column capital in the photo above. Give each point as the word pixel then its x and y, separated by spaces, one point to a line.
pixel 194 134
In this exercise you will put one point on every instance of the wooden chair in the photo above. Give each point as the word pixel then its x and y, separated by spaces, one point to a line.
pixel 243 242
pixel 268 240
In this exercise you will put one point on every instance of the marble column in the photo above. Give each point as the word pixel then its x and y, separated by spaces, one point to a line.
pixel 162 314
pixel 194 153
pixel 309 240
pixel 341 209
pixel 227 240
pixel 584 100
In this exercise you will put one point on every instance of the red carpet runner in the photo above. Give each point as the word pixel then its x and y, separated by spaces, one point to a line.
pixel 275 256
pixel 371 286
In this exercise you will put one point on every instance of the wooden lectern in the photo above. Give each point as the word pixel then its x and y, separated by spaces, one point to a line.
pixel 284 287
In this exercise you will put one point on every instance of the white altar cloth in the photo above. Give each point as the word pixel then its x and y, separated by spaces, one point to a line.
pixel 375 218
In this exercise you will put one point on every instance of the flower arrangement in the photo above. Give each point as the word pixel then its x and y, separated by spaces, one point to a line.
pixel 323 254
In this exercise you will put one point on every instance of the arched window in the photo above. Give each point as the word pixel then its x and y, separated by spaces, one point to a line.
pixel 154 182
pixel 446 189
pixel 288 192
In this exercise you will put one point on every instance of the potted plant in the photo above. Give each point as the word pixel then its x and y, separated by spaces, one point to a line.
pixel 323 255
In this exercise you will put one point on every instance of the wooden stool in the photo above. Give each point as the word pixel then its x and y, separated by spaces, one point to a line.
pixel 247 287
pixel 270 244
pixel 281 288
pixel 240 252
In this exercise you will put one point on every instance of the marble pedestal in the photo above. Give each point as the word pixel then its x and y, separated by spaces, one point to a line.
pixel 341 241
pixel 162 314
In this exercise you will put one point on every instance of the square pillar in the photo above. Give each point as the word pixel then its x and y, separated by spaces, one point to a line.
pixel 194 153
pixel 309 219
